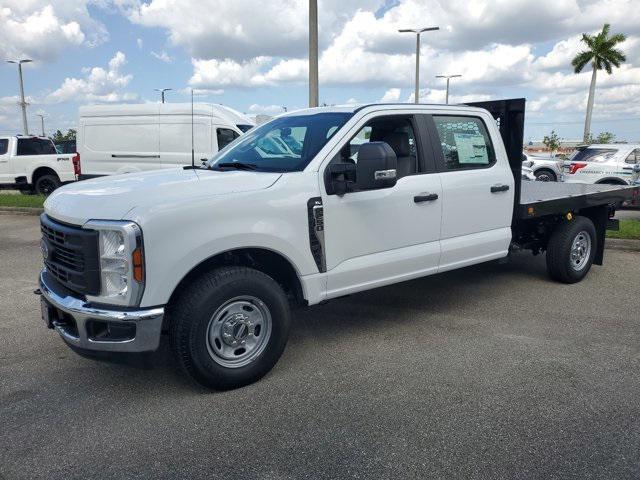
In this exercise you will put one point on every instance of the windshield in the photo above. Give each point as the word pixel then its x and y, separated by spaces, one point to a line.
pixel 590 154
pixel 285 144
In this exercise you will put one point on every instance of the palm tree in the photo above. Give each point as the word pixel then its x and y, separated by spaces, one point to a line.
pixel 601 52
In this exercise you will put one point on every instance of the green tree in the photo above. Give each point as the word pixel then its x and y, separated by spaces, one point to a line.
pixel 59 136
pixel 602 54
pixel 605 137
pixel 552 141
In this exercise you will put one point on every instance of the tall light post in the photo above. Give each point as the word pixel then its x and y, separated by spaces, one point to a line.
pixel 314 94
pixel 22 102
pixel 41 115
pixel 162 90
pixel 417 31
pixel 448 77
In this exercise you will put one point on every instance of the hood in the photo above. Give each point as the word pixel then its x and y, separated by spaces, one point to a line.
pixel 111 197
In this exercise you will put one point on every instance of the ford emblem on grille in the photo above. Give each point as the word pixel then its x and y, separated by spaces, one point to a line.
pixel 45 249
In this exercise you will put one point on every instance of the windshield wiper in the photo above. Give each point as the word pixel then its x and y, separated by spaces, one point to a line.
pixel 236 165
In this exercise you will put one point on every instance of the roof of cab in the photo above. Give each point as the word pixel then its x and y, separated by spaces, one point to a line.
pixel 354 108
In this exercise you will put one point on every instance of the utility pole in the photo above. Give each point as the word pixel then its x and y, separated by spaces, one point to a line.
pixel 448 77
pixel 162 90
pixel 417 31
pixel 41 115
pixel 313 54
pixel 22 103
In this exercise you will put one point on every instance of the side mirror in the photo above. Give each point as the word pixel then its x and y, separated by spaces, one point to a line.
pixel 636 168
pixel 377 166
pixel 340 178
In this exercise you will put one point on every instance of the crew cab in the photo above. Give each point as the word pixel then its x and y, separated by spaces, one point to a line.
pixel 311 206
pixel 32 164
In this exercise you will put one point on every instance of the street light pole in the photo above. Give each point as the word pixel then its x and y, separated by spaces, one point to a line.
pixel 448 77
pixel 417 31
pixel 41 115
pixel 314 95
pixel 162 90
pixel 23 103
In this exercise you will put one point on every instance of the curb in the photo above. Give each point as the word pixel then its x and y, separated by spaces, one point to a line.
pixel 622 244
pixel 21 210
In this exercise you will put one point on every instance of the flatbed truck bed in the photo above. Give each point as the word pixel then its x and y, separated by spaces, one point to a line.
pixel 538 199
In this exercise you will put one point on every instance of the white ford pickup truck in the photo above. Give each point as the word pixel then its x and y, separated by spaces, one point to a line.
pixel 314 205
pixel 32 164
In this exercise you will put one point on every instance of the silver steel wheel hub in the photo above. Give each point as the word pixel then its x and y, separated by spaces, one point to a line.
pixel 239 331
pixel 580 251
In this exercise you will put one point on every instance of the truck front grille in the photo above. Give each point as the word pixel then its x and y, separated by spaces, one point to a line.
pixel 71 255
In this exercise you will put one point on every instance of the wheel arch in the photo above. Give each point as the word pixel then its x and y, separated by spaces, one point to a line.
pixel 611 181
pixel 266 260
pixel 40 171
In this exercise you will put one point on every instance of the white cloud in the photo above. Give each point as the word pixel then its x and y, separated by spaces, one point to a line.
pixel 162 56
pixel 391 95
pixel 266 109
pixel 99 85
pixel 241 29
pixel 42 30
pixel 139 43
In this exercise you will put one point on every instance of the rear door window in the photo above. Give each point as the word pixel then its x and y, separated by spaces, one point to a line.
pixel 592 154
pixel 465 142
pixel 634 157
pixel 4 145
pixel 35 146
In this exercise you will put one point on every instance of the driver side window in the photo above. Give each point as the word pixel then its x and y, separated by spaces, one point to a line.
pixel 397 132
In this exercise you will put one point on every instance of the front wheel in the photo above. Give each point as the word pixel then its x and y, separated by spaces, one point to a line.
pixel 229 327
pixel 571 250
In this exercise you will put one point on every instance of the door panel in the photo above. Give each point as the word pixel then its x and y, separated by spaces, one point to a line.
pixel 381 236
pixel 378 237
pixel 6 169
pixel 478 189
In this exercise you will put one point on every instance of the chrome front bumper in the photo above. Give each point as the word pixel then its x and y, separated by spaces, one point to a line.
pixel 145 324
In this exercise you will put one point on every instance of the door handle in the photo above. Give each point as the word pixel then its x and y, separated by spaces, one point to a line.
pixel 499 188
pixel 426 197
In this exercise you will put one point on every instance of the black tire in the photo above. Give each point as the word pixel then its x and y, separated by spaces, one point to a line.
pixel 194 310
pixel 46 184
pixel 545 175
pixel 559 259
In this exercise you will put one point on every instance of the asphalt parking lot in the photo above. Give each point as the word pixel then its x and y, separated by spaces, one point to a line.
pixel 488 372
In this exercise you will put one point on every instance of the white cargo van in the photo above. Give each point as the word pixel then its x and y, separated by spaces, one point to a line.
pixel 116 139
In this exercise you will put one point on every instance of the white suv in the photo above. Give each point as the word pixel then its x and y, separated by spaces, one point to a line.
pixel 607 163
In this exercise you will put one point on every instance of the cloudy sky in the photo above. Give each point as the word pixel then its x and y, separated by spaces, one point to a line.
pixel 251 55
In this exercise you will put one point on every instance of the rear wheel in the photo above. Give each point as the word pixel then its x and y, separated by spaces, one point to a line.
pixel 571 250
pixel 46 184
pixel 229 327
pixel 544 175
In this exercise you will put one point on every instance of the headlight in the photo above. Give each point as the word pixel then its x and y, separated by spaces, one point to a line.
pixel 528 163
pixel 121 262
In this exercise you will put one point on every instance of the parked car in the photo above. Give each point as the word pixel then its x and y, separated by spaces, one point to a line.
pixel 545 169
pixel 606 163
pixel 114 139
pixel 218 254
pixel 615 164
pixel 32 164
